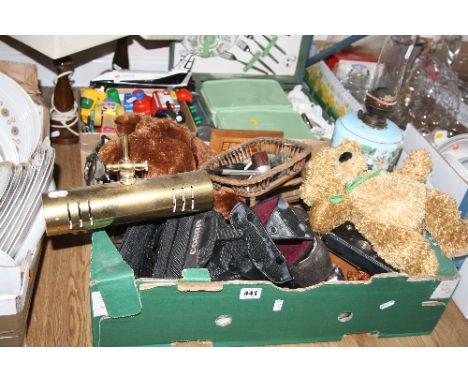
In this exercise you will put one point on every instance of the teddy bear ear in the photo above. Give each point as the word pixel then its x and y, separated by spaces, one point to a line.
pixel 348 145
pixel 347 150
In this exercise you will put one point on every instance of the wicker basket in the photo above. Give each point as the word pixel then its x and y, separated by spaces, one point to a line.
pixel 295 152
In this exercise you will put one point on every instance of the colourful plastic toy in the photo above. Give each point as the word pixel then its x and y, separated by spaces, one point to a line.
pixel 113 94
pixel 166 100
pixel 103 115
pixel 88 100
pixel 128 100
pixel 144 106
pixel 184 95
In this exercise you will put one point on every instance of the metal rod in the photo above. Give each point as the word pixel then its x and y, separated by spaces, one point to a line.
pixel 124 142
pixel 276 45
pixel 236 172
pixel 266 66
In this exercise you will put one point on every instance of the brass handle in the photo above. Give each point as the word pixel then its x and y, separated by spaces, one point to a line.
pixel 126 167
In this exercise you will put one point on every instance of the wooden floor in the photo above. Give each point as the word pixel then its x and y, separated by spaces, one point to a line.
pixel 60 314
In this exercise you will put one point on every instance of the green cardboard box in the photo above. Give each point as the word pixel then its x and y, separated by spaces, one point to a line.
pixel 151 312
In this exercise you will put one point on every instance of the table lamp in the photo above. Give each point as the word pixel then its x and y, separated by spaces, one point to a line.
pixel 381 140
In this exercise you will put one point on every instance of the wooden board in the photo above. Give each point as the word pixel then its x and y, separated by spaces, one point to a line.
pixel 224 139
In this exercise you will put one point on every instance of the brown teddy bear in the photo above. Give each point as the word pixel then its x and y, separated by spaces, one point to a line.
pixel 391 209
pixel 169 147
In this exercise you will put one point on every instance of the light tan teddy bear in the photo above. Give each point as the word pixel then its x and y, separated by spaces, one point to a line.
pixel 391 209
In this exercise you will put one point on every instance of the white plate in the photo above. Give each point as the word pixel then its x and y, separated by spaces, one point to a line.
pixel 6 173
pixel 457 165
pixel 10 190
pixel 19 118
pixel 16 225
pixel 17 198
pixel 456 146
pixel 35 233
pixel 464 162
pixel 8 150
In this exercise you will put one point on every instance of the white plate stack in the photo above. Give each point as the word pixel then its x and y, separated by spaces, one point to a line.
pixel 26 167
pixel 455 150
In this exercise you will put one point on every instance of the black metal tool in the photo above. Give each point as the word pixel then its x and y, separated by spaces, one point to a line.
pixel 347 243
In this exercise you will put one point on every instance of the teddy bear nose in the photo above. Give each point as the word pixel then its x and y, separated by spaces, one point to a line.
pixel 345 156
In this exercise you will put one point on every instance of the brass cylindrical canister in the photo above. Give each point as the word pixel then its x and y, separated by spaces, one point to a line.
pixel 100 206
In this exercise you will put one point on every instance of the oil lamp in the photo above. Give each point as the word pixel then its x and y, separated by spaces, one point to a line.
pixel 381 140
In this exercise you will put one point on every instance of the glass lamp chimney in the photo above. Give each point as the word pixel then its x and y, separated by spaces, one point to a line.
pixel 382 96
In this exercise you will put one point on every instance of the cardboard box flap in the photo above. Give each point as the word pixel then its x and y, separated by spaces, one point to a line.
pixel 114 278
pixel 196 275
pixel 23 73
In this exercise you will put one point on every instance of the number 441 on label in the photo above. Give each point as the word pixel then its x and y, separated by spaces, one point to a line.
pixel 250 293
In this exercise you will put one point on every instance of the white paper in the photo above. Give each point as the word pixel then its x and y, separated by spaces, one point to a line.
pixel 445 289
pixel 99 307
pixel 387 304
pixel 278 305
pixel 250 293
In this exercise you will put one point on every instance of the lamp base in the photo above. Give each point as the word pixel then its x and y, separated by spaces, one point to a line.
pixel 382 146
